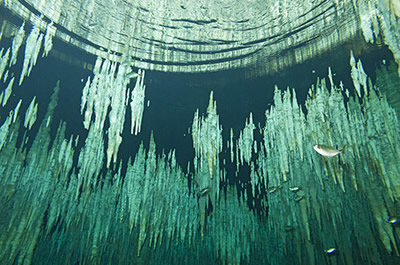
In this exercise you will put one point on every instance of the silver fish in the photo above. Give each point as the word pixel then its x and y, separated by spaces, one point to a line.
pixel 273 188
pixel 327 150
pixel 295 188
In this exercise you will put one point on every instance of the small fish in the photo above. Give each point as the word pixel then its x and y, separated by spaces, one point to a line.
pixel 203 192
pixel 273 188
pixel 327 151
pixel 295 189
pixel 393 220
pixel 330 251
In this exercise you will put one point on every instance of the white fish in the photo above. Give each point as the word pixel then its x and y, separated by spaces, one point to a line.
pixel 273 188
pixel 327 151
pixel 295 189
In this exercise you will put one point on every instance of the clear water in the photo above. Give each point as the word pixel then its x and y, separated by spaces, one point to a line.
pixel 160 215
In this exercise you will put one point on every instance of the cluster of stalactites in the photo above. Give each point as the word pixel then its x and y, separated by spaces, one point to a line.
pixel 381 18
pixel 31 114
pixel 207 143
pixel 32 48
pixel 4 57
pixel 291 170
pixel 95 94
pixel 35 180
pixel 109 88
pixel 145 201
pixel 207 136
pixel 153 206
pixel 137 103
pixel 16 44
pixel 5 95
pixel 33 45
pixel 4 129
pixel 232 228
pixel 246 142
pixel 358 75
pixel 90 162
pixel 244 148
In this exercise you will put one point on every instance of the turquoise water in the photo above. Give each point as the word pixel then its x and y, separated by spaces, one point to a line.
pixel 169 200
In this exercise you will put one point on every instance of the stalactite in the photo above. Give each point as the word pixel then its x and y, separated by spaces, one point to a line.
pixel 246 140
pixel 16 110
pixel 117 113
pixel 48 38
pixel 108 88
pixel 4 129
pixel 7 92
pixel 16 44
pixel 137 103
pixel 207 139
pixel 30 47
pixel 31 114
pixel 3 60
